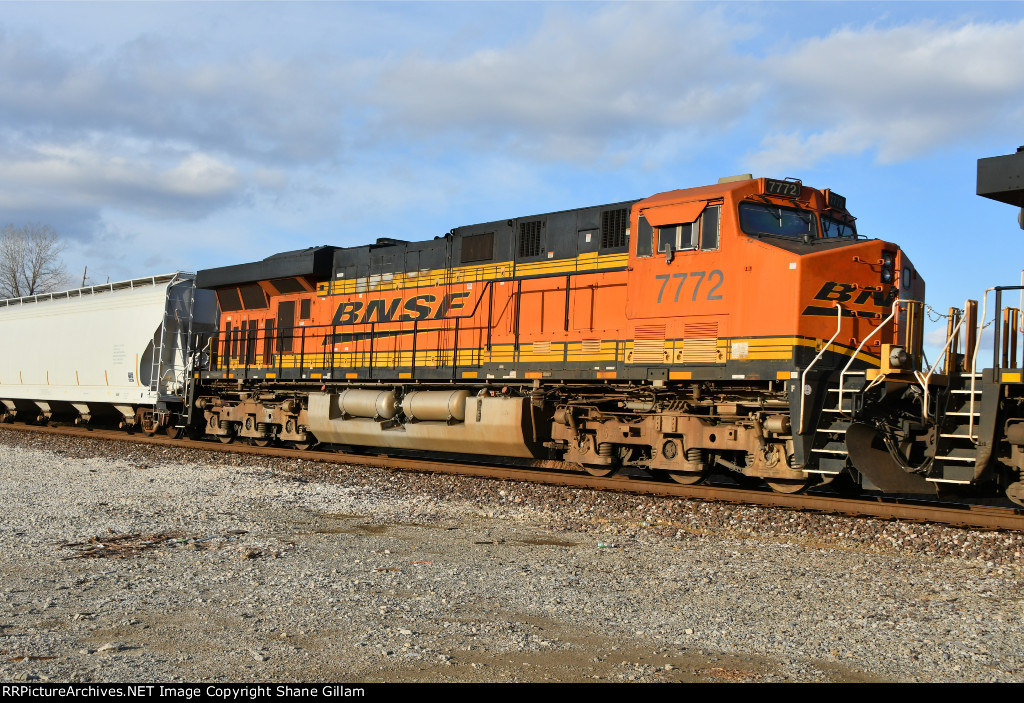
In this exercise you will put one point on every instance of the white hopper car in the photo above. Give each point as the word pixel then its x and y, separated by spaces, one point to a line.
pixel 119 348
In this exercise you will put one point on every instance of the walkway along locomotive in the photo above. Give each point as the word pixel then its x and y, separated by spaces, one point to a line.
pixel 744 324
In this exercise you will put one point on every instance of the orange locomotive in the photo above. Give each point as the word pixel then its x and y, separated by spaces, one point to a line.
pixel 744 324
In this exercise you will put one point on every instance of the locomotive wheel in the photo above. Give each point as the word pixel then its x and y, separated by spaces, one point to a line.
pixel 173 432
pixel 262 442
pixel 688 478
pixel 599 470
pixel 310 442
pixel 171 429
pixel 784 485
pixel 226 438
pixel 701 460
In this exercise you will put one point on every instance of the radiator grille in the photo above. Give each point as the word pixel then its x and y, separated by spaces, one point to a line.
pixel 542 347
pixel 649 344
pixel 529 238
pixel 700 330
pixel 649 351
pixel 700 351
pixel 613 228
pixel 591 346
pixel 478 247
pixel 650 332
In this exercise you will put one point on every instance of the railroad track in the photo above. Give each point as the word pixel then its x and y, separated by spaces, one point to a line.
pixel 961 515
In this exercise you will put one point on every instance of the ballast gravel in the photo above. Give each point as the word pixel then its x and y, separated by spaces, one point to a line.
pixel 131 563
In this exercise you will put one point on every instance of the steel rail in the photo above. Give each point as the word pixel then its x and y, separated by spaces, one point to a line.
pixel 554 473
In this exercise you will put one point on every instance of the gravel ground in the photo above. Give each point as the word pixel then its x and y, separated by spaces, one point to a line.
pixel 133 563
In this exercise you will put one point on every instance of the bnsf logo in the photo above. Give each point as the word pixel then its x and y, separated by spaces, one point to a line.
pixel 851 294
pixel 418 307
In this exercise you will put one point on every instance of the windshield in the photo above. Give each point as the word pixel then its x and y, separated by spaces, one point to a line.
pixel 835 228
pixel 757 218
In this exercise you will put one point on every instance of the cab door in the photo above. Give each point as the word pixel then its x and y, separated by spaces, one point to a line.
pixel 677 285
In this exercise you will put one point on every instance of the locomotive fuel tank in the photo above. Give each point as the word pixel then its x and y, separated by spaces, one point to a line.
pixel 448 421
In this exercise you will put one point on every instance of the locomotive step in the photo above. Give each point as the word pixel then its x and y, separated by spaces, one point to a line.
pixel 960 454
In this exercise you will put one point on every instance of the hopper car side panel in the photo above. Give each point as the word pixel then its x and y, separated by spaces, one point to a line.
pixel 94 348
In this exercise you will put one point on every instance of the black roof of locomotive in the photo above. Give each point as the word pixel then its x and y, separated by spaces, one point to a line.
pixel 314 261
pixel 565 234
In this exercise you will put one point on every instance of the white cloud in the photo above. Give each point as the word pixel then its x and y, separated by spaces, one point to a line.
pixel 251 106
pixel 901 92
pixel 87 176
pixel 579 89
pixel 199 175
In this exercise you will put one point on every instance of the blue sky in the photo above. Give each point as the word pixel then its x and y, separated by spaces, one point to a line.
pixel 160 136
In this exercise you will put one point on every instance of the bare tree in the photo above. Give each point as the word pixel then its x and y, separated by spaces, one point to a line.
pixel 30 261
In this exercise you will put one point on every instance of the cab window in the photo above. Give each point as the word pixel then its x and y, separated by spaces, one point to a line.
pixel 762 219
pixel 691 236
pixel 835 228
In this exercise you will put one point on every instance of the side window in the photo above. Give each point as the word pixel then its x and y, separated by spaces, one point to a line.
pixel 701 235
pixel 644 236
pixel 680 237
pixel 709 228
pixel 304 308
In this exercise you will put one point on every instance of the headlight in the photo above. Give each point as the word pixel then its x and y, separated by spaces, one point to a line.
pixel 887 259
pixel 897 357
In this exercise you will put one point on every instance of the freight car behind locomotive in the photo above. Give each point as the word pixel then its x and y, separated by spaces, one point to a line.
pixel 707 326
pixel 120 349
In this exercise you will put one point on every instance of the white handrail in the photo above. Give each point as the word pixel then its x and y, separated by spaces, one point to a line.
pixel 923 380
pixel 842 375
pixel 974 361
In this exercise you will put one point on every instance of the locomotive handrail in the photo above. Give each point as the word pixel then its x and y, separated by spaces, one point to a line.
pixel 853 357
pixel 995 345
pixel 803 376
pixel 926 377
pixel 974 360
